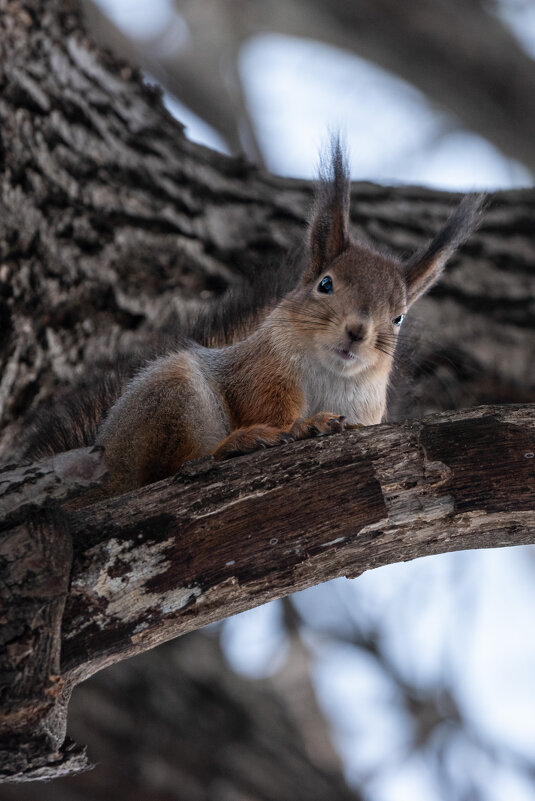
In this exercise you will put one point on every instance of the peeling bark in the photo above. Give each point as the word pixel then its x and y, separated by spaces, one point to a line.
pixel 35 567
pixel 112 223
pixel 219 538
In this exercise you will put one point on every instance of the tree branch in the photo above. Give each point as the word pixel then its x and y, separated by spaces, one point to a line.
pixel 219 538
pixel 111 222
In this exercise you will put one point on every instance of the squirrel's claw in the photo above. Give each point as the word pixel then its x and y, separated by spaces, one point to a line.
pixel 319 424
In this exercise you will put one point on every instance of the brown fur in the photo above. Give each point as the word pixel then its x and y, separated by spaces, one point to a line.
pixel 265 393
pixel 318 363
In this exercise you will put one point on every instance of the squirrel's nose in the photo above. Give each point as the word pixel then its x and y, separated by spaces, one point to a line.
pixel 356 332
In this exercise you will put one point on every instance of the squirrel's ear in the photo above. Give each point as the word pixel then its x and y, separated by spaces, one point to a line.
pixel 423 269
pixel 329 227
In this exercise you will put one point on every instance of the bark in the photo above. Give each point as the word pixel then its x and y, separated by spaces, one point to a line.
pixel 176 724
pixel 28 488
pixel 219 538
pixel 35 558
pixel 35 572
pixel 111 222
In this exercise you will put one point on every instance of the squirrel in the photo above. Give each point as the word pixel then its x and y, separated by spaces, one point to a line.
pixel 319 362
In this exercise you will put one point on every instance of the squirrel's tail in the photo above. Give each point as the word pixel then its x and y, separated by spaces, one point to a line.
pixel 73 419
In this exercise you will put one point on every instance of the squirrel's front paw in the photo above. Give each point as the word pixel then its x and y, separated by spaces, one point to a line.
pixel 320 424
pixel 252 438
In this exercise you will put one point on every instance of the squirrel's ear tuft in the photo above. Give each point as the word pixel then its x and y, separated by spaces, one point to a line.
pixel 423 269
pixel 329 227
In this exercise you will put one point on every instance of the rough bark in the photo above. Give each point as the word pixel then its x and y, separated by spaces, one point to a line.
pixel 35 572
pixel 27 488
pixel 176 724
pixel 219 538
pixel 35 559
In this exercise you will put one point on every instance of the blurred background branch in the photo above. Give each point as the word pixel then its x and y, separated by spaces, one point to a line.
pixel 461 55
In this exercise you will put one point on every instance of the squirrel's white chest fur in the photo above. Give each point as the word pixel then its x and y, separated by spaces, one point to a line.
pixel 360 398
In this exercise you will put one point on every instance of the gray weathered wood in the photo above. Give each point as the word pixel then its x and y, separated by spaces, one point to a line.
pixel 221 537
pixel 35 567
pixel 27 488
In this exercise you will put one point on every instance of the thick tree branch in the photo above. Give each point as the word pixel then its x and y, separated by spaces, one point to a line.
pixel 111 222
pixel 219 538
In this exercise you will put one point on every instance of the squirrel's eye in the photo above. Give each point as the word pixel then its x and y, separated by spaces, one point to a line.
pixel 398 320
pixel 326 285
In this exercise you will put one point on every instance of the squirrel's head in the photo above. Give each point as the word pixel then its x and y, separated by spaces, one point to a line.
pixel 351 301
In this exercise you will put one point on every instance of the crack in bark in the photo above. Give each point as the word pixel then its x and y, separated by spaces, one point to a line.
pixel 221 537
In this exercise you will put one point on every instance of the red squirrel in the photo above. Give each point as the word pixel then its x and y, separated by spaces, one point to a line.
pixel 318 363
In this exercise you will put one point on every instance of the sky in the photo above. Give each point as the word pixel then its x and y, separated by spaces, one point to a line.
pixel 298 90
pixel 469 615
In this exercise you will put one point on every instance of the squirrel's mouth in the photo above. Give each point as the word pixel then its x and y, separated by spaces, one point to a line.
pixel 347 355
